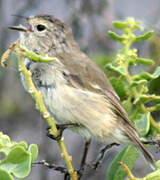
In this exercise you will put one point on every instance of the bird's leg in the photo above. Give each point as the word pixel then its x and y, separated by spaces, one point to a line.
pixel 83 162
pixel 84 157
pixel 101 154
pixel 61 128
pixel 64 170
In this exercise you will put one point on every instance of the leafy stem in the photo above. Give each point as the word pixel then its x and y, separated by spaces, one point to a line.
pixel 136 83
pixel 133 89
pixel 38 97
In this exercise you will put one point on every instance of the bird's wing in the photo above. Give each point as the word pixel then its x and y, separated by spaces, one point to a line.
pixel 82 67
pixel 85 74
pixel 76 81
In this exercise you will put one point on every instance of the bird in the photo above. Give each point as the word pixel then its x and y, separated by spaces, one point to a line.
pixel 74 88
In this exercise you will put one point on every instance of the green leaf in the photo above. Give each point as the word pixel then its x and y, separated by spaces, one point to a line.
pixel 154 108
pixel 137 83
pixel 153 176
pixel 119 86
pixel 147 35
pixel 147 98
pixel 22 170
pixel 33 149
pixel 35 57
pixel 22 143
pixel 5 143
pixel 156 74
pixel 144 61
pixel 17 155
pixel 5 150
pixel 127 105
pixel 17 162
pixel 120 25
pixel 115 36
pixel 143 124
pixel 141 28
pixel 4 140
pixel 144 75
pixel 128 156
pixel 147 76
pixel 4 175
pixel 119 70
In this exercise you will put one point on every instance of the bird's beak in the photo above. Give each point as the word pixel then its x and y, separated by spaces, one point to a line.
pixel 18 28
pixel 21 28
pixel 19 16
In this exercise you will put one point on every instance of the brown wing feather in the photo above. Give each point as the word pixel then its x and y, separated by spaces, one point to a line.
pixel 85 74
pixel 76 81
pixel 79 64
pixel 140 146
pixel 118 108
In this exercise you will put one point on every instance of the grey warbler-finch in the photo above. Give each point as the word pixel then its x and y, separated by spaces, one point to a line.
pixel 74 88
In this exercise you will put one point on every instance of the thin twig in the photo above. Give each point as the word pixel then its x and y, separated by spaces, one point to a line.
pixel 52 166
pixel 128 171
pixel 102 153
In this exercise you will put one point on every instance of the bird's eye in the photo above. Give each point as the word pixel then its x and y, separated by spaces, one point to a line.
pixel 41 27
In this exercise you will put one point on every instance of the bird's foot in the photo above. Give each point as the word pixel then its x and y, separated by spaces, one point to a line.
pixel 79 173
pixel 61 128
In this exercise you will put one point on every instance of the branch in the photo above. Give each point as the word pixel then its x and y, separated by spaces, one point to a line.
pixel 38 97
pixel 128 171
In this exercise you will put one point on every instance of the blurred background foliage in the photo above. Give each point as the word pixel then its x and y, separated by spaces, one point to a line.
pixel 90 20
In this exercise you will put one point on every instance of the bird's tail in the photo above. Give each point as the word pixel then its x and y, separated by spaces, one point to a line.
pixel 140 146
